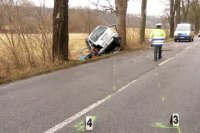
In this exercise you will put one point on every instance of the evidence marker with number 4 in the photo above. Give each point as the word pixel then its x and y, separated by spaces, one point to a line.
pixel 174 120
pixel 89 123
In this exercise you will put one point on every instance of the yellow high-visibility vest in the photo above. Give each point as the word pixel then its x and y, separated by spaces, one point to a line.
pixel 158 36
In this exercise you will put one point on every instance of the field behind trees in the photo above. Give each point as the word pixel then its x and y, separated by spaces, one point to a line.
pixel 26 35
pixel 22 54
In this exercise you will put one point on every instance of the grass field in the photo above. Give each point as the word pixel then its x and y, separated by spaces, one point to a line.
pixel 25 54
pixel 76 42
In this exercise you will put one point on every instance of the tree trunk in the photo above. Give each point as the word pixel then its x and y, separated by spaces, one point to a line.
pixel 185 8
pixel 121 9
pixel 88 20
pixel 60 30
pixel 197 16
pixel 172 13
pixel 143 21
pixel 178 11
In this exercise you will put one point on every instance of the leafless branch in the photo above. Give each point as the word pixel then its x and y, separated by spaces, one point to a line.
pixel 108 7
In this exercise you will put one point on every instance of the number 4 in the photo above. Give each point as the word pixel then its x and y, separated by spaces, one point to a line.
pixel 89 123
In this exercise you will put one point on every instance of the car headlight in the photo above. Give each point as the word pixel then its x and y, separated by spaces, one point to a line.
pixel 187 34
pixel 175 34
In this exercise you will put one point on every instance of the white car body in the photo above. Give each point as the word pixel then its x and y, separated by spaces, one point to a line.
pixel 101 38
pixel 184 31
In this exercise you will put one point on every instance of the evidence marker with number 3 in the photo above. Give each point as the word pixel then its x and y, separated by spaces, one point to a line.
pixel 174 120
pixel 89 123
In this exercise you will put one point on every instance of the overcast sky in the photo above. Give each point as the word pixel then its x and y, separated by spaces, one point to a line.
pixel 155 7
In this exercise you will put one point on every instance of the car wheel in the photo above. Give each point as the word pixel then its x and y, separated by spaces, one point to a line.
pixel 175 40
pixel 117 41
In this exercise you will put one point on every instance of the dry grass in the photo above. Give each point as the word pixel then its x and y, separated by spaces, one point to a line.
pixel 17 62
pixel 133 35
pixel 76 42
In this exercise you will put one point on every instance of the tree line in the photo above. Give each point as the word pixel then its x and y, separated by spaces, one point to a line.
pixel 61 30
pixel 33 19
pixel 183 11
pixel 30 16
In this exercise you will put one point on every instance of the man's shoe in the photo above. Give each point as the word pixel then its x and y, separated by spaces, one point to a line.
pixel 155 59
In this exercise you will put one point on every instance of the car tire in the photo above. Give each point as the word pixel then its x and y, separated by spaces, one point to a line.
pixel 190 39
pixel 175 40
pixel 117 41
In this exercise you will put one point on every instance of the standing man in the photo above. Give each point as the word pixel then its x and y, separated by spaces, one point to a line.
pixel 157 37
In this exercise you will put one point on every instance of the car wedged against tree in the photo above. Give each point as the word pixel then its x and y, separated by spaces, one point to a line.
pixel 184 31
pixel 103 39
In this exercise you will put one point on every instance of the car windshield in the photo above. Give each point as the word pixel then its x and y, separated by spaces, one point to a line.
pixel 97 33
pixel 183 28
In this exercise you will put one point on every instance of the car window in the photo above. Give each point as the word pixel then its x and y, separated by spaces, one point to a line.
pixel 97 33
pixel 183 28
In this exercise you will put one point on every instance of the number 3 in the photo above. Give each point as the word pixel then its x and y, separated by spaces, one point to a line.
pixel 175 119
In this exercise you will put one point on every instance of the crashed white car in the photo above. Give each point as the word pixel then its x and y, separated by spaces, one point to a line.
pixel 103 39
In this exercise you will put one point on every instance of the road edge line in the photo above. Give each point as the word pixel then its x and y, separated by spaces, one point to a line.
pixel 84 111
pixel 162 63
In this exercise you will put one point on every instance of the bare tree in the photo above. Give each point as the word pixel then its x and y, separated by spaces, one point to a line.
pixel 197 16
pixel 60 30
pixel 193 14
pixel 88 20
pixel 143 21
pixel 185 8
pixel 120 10
pixel 172 15
pixel 26 40
pixel 178 11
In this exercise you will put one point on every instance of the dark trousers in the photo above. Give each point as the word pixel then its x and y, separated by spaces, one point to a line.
pixel 157 52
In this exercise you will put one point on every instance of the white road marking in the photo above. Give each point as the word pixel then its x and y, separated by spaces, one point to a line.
pixel 84 111
pixel 159 85
pixel 114 66
pixel 156 74
pixel 94 105
pixel 163 99
pixel 165 61
pixel 177 54
pixel 187 48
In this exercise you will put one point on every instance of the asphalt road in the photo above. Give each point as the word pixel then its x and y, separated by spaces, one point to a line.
pixel 128 93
